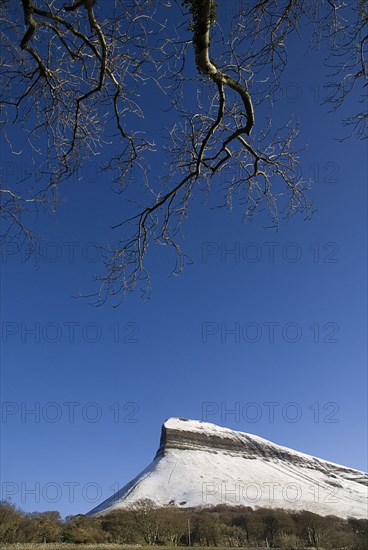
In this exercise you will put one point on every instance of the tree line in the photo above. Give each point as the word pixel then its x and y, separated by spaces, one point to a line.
pixel 144 523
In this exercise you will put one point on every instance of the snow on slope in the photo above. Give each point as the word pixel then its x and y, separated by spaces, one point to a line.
pixel 201 464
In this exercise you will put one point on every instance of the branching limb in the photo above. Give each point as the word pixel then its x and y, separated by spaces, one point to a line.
pixel 202 23
pixel 75 84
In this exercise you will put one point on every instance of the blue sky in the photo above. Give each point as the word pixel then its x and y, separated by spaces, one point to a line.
pixel 261 320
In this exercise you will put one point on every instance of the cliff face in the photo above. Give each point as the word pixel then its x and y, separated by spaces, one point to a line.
pixel 201 464
pixel 182 434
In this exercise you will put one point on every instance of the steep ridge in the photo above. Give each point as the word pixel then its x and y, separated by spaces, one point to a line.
pixel 200 464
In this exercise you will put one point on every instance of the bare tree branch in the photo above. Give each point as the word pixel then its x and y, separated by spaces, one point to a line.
pixel 72 79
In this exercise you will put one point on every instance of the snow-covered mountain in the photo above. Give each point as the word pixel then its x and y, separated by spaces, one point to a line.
pixel 200 464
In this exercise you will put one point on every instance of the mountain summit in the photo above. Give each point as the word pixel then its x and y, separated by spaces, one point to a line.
pixel 199 464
